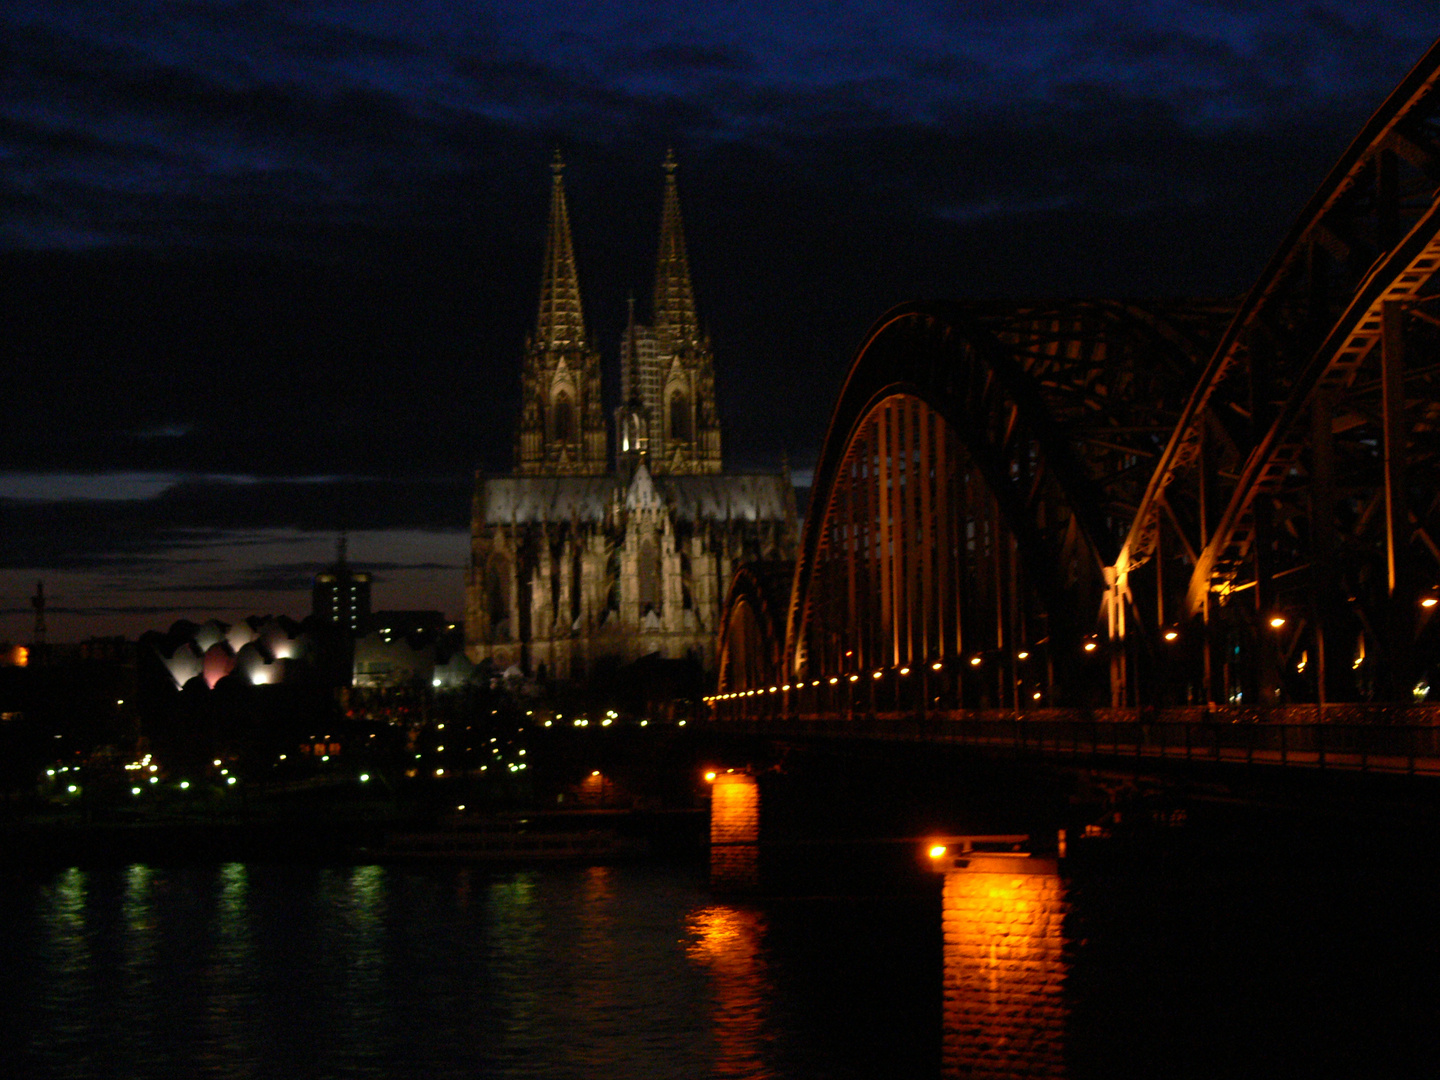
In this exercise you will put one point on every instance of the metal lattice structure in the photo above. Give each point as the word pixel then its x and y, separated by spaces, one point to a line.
pixel 1303 468
pixel 1106 503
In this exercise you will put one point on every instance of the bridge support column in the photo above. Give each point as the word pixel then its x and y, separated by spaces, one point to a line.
pixel 1116 589
pixel 1004 1010
pixel 734 832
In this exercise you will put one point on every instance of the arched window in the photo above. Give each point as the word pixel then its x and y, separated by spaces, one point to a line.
pixel 564 418
pixel 649 574
pixel 631 436
pixel 497 591
pixel 679 417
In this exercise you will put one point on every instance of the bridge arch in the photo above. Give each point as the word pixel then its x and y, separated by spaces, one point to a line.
pixel 1254 487
pixel 1300 478
pixel 975 482
pixel 752 630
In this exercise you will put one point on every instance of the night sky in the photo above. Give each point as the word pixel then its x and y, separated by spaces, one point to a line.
pixel 268 265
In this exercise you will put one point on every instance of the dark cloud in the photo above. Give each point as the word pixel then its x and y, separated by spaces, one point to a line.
pixel 201 516
pixel 292 577
pixel 94 611
pixel 688 59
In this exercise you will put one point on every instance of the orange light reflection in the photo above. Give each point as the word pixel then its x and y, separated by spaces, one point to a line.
pixel 728 941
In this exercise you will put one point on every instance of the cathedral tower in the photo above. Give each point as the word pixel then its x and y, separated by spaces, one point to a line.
pixel 667 370
pixel 562 423
pixel 573 563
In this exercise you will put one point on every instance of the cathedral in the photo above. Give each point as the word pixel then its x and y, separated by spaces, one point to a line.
pixel 608 547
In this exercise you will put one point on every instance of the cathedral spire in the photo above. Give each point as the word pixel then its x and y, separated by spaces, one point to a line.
pixel 562 422
pixel 674 295
pixel 561 324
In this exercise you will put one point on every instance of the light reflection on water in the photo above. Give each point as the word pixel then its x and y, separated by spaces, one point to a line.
pixel 261 971
pixel 729 942
pixel 1223 963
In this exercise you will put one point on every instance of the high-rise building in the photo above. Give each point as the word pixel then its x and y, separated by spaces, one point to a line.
pixel 340 596
pixel 576 557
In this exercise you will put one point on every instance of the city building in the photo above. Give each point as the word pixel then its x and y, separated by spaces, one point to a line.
pixel 340 596
pixel 389 659
pixel 580 555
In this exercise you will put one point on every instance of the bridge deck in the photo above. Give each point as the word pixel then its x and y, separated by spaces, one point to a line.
pixel 1411 749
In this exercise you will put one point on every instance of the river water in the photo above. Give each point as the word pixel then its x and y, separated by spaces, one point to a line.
pixel 1318 964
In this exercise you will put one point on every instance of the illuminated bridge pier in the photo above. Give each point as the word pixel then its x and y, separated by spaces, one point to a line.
pixel 1169 515
pixel 734 831
pixel 1003 920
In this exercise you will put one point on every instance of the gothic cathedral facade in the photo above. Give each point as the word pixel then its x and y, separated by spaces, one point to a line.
pixel 581 556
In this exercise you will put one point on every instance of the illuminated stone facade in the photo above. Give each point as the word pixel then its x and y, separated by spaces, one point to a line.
pixel 1005 968
pixel 577 559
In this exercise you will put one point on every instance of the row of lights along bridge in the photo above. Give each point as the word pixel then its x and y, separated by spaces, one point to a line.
pixel 1092 645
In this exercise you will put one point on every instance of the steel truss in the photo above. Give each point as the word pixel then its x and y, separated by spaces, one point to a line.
pixel 1212 512
pixel 1298 491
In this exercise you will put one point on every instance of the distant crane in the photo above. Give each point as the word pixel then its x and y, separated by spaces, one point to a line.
pixel 38 603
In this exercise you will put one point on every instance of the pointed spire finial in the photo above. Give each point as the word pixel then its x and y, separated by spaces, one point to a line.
pixel 674 294
pixel 561 323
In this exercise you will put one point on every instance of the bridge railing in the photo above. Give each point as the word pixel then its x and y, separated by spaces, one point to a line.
pixel 1401 739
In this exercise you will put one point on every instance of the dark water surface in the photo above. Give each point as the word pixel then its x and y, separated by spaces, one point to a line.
pixel 369 971
pixel 1318 961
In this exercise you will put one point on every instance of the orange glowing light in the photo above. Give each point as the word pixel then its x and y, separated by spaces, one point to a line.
pixel 877 674
pixel 1429 601
pixel 1171 635
pixel 937 851
pixel 904 671
pixel 1091 644
pixel 936 666
pixel 1023 654
pixel 710 776
pixel 975 661
pixel 1277 621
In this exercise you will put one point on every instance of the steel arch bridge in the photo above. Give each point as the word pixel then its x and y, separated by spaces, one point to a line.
pixel 1094 503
